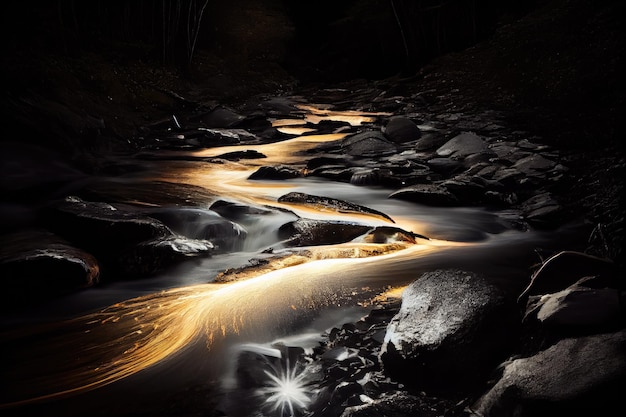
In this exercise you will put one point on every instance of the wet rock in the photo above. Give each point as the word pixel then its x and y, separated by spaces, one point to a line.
pixel 578 308
pixel 508 153
pixel 322 161
pixel 367 144
pixel 445 166
pixel 430 140
pixel 576 376
pixel 463 145
pixel 336 173
pixel 508 177
pixel 401 129
pixel 238 211
pixel 308 232
pixel 275 173
pixel 202 224
pixel 149 257
pixel 327 203
pixel 36 264
pixel 368 176
pixel 209 138
pixel 476 158
pixel 467 190
pixel 101 226
pixel 534 165
pixel 542 210
pixel 427 194
pixel 127 244
pixel 451 329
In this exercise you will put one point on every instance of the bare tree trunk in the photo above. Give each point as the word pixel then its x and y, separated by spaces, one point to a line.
pixel 406 46
pixel 171 19
pixel 193 27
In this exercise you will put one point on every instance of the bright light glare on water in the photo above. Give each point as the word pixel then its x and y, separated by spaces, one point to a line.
pixel 287 391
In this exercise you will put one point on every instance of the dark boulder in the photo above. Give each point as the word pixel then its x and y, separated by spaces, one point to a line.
pixel 238 211
pixel 430 140
pixel 427 194
pixel 327 203
pixel 543 211
pixel 275 173
pixel 102 227
pixel 308 232
pixel 444 166
pixel 367 144
pixel 401 129
pixel 36 264
pixel 127 244
pixel 149 257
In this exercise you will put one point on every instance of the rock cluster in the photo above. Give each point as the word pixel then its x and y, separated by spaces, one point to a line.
pixel 460 346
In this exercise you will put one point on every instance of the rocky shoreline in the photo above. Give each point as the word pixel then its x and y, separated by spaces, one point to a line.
pixel 456 345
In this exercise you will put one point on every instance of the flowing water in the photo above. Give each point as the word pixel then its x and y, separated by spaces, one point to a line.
pixel 129 345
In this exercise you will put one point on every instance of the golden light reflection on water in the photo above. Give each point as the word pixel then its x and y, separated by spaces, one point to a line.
pixel 295 130
pixel 128 337
pixel 316 113
pixel 284 152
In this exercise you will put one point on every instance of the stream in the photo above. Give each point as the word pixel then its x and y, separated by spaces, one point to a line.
pixel 133 347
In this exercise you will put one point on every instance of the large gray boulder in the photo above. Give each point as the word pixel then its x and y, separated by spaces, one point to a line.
pixel 586 306
pixel 574 377
pixel 451 329
pixel 463 145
